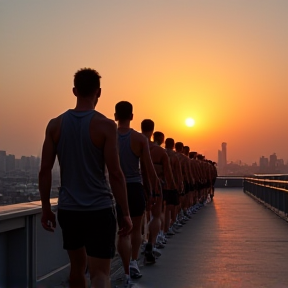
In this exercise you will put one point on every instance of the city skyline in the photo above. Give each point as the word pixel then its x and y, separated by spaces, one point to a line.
pixel 222 63
pixel 260 157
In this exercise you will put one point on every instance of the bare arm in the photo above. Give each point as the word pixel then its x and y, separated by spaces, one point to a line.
pixel 45 176
pixel 149 167
pixel 179 174
pixel 168 175
pixel 116 177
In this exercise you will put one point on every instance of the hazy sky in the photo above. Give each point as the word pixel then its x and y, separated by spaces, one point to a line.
pixel 223 63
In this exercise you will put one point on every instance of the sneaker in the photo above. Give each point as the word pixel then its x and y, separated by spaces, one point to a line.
pixel 178 224
pixel 134 270
pixel 157 253
pixel 170 232
pixel 149 258
pixel 175 229
pixel 159 245
pixel 128 284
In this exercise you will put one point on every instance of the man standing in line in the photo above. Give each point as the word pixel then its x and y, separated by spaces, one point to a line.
pixel 84 141
pixel 133 148
pixel 178 178
pixel 187 176
pixel 162 167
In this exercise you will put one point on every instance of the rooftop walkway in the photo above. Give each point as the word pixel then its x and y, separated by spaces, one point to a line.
pixel 231 242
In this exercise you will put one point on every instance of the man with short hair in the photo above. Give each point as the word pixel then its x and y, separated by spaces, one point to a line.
pixel 133 149
pixel 84 141
pixel 171 210
pixel 162 167
pixel 187 175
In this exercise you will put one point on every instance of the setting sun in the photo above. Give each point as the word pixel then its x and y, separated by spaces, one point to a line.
pixel 190 122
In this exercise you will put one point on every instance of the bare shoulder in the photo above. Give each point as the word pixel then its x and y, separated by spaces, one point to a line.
pixel 160 150
pixel 102 122
pixel 139 136
pixel 54 125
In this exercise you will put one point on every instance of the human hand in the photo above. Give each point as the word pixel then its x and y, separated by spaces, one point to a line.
pixel 48 220
pixel 126 226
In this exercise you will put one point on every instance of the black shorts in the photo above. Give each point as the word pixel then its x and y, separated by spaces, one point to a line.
pixel 186 187
pixel 94 230
pixel 136 201
pixel 171 197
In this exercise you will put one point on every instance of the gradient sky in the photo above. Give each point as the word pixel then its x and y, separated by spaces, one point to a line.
pixel 223 63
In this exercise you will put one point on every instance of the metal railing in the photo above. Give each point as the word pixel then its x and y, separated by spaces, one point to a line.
pixel 270 190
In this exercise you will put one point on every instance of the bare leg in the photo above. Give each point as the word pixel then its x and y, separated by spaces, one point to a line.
pixel 168 217
pixel 155 223
pixel 124 249
pixel 136 236
pixel 99 272
pixel 78 260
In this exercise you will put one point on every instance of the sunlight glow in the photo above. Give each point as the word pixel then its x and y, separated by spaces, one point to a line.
pixel 190 122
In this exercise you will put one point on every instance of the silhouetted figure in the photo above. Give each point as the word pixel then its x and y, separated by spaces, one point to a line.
pixel 84 141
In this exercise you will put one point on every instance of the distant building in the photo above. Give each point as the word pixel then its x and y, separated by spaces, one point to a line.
pixel 2 162
pixel 34 164
pixel 273 163
pixel 220 164
pixel 25 163
pixel 222 159
pixel 263 165
pixel 10 163
pixel 224 154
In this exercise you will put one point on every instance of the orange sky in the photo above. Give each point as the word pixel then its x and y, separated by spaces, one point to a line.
pixel 223 63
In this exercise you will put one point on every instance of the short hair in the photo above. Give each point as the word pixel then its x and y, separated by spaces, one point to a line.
pixel 200 157
pixel 179 145
pixel 158 136
pixel 124 110
pixel 192 154
pixel 186 148
pixel 147 125
pixel 169 143
pixel 86 81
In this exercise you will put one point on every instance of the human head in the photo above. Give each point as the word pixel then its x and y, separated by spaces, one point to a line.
pixel 87 83
pixel 200 157
pixel 169 143
pixel 192 155
pixel 158 137
pixel 179 147
pixel 147 127
pixel 123 111
pixel 186 150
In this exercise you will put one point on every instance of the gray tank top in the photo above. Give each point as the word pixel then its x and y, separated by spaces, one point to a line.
pixel 130 163
pixel 82 166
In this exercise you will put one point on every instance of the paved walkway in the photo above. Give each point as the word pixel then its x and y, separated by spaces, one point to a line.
pixel 232 242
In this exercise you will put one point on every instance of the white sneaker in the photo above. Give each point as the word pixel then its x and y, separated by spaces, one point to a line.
pixel 170 232
pixel 134 270
pixel 156 252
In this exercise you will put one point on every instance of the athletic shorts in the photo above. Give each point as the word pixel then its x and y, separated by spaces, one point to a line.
pixel 192 187
pixel 136 201
pixel 171 197
pixel 186 187
pixel 94 230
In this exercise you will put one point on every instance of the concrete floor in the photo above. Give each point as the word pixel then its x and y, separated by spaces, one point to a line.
pixel 232 242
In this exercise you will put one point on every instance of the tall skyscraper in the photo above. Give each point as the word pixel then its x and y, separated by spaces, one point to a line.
pixel 222 159
pixel 224 154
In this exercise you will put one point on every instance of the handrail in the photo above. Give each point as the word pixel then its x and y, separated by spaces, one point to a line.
pixel 266 180
pixel 272 193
